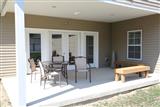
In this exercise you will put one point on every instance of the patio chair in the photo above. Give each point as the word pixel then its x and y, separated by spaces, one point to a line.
pixel 57 65
pixel 57 59
pixel 33 67
pixel 81 65
pixel 46 74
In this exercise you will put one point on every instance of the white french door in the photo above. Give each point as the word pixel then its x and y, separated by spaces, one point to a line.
pixel 60 44
pixel 67 43
pixel 89 47
pixel 72 44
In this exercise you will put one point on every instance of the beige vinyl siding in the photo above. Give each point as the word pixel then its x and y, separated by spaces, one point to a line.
pixel 7 46
pixel 150 38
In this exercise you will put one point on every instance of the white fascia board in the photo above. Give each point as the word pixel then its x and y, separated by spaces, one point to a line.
pixel 130 6
pixel 154 1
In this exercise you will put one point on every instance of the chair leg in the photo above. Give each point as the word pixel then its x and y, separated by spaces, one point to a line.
pixel 40 81
pixel 31 76
pixel 90 76
pixel 86 75
pixel 35 76
pixel 60 78
pixel 44 83
pixel 66 74
pixel 54 80
pixel 75 76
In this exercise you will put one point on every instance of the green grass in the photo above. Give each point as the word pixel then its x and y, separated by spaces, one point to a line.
pixel 146 97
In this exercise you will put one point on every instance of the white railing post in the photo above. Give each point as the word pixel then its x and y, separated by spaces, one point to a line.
pixel 20 54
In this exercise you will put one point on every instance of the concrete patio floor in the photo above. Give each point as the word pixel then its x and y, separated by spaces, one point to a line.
pixel 102 85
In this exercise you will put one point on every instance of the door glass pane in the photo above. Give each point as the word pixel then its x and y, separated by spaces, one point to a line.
pixel 89 48
pixel 73 47
pixel 35 46
pixel 56 44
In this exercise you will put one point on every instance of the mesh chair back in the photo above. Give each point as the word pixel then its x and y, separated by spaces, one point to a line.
pixel 57 59
pixel 81 62
pixel 32 64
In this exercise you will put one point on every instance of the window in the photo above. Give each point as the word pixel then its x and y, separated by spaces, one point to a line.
pixel 134 45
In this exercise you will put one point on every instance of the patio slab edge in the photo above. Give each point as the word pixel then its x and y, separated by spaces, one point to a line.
pixel 106 93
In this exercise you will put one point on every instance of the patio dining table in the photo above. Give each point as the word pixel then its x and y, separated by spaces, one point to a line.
pixel 63 67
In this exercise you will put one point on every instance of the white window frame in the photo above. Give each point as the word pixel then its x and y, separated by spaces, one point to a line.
pixel 134 45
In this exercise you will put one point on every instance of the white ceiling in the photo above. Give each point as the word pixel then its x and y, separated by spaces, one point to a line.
pixel 86 10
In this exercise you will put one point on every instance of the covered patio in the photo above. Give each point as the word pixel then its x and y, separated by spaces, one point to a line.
pixel 46 17
pixel 102 85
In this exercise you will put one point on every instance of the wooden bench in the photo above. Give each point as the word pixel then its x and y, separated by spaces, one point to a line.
pixel 121 72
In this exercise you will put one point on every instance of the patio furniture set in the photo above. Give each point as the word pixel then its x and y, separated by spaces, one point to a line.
pixel 58 67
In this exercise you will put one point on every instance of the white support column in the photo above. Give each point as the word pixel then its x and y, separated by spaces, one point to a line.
pixel 20 54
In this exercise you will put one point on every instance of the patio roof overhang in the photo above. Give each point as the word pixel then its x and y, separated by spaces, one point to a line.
pixel 93 10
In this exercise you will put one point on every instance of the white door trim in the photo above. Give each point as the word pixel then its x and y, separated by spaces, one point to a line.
pixel 96 47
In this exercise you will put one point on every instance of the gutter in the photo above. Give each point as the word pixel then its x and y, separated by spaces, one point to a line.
pixel 141 5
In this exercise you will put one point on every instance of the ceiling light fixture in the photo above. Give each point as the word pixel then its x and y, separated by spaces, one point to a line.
pixel 76 13
pixel 53 6
pixel 111 14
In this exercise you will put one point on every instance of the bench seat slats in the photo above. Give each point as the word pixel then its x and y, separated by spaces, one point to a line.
pixel 133 69
pixel 128 70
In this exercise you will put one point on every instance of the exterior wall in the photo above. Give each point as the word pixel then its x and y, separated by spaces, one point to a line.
pixel 150 26
pixel 7 46
pixel 111 37
pixel 7 36
pixel 33 21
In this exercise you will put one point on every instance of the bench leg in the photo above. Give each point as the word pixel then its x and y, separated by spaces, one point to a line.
pixel 140 74
pixel 123 77
pixel 116 77
pixel 146 74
